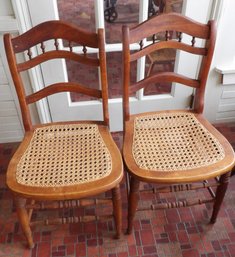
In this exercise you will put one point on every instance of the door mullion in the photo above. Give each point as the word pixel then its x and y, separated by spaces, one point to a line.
pixel 143 15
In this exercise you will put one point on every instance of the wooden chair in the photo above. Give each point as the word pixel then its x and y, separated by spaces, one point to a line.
pixel 62 164
pixel 173 150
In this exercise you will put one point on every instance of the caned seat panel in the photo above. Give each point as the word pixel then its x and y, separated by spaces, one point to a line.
pixel 175 146
pixel 65 156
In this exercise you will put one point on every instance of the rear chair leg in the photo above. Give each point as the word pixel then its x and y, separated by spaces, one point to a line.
pixel 24 219
pixel 220 193
pixel 132 203
pixel 117 210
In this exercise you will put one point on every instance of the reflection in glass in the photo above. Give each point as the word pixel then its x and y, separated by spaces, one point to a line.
pixel 89 76
pixel 78 12
pixel 82 74
pixel 163 60
pixel 126 12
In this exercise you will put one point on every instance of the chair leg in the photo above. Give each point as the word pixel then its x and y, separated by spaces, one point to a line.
pixel 220 193
pixel 24 219
pixel 127 180
pixel 132 203
pixel 117 210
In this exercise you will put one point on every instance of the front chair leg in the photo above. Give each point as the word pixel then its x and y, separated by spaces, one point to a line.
pixel 220 193
pixel 24 219
pixel 117 210
pixel 132 202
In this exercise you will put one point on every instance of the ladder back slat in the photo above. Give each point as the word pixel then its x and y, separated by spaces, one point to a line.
pixel 62 87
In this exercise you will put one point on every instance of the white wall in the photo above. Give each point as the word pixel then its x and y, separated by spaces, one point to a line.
pixel 220 99
pixel 11 129
pixel 6 8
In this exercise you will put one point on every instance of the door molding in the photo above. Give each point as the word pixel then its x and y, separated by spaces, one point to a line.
pixel 9 25
pixel 23 18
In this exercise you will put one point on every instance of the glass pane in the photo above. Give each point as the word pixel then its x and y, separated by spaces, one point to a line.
pixel 173 5
pixel 127 12
pixel 117 13
pixel 85 75
pixel 78 12
pixel 114 70
pixel 89 76
pixel 81 13
pixel 163 60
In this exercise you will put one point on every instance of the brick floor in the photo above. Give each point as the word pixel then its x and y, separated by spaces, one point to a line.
pixel 181 232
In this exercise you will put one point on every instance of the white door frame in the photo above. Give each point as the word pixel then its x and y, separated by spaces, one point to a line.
pixel 23 16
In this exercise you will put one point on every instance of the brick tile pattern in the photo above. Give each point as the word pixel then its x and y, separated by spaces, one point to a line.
pixel 181 232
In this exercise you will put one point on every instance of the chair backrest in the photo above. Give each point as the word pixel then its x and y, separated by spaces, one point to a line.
pixel 168 23
pixel 55 31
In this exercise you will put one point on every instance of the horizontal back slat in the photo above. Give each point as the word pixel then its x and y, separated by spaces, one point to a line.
pixel 52 30
pixel 169 22
pixel 62 87
pixel 164 77
pixel 57 54
pixel 168 44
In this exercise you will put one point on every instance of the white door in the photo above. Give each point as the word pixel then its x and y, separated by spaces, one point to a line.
pixel 62 107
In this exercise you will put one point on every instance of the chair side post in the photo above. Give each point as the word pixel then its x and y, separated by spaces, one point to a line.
pixel 205 67
pixel 10 54
pixel 126 74
pixel 103 75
